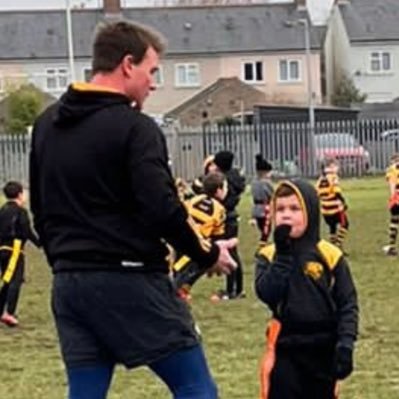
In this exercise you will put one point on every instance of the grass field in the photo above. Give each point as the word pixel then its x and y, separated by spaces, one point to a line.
pixel 233 331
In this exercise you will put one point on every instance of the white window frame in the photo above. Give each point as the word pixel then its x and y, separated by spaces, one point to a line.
pixel 187 66
pixel 380 59
pixel 254 80
pixel 57 73
pixel 289 78
pixel 84 71
pixel 161 81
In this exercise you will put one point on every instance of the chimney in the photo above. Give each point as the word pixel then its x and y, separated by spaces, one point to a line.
pixel 301 5
pixel 112 9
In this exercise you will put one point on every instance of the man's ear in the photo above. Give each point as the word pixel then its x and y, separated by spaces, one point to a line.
pixel 127 64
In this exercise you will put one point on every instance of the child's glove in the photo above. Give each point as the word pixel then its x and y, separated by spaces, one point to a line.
pixel 282 239
pixel 343 362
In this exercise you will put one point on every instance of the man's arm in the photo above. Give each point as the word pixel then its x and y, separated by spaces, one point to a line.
pixel 156 198
pixel 34 196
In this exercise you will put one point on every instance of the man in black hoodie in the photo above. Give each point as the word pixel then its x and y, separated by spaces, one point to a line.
pixel 104 205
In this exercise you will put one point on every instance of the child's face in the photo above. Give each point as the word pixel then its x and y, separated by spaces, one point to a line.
pixel 212 168
pixel 288 210
pixel 333 168
pixel 222 192
pixel 21 197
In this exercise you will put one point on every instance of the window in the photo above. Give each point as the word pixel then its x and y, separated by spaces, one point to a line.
pixel 158 77
pixel 380 61
pixel 253 72
pixel 56 78
pixel 87 74
pixel 187 75
pixel 289 71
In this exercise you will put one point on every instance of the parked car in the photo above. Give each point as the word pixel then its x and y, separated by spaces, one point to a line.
pixel 354 159
pixel 391 137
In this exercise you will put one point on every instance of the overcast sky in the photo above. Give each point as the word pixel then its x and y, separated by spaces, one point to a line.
pixel 40 4
pixel 319 7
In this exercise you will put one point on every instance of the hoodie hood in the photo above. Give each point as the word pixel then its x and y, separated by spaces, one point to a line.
pixel 310 203
pixel 83 99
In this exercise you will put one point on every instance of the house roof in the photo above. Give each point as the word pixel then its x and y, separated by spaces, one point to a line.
pixel 194 30
pixel 218 85
pixel 371 20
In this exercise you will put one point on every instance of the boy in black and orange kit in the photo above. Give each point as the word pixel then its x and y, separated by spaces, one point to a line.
pixel 333 204
pixel 15 230
pixel 208 213
pixel 307 284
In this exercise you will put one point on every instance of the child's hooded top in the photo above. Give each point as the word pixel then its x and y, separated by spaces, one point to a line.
pixel 310 291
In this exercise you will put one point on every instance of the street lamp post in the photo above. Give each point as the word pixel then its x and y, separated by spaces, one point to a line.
pixel 70 40
pixel 305 23
pixel 311 112
pixel 313 166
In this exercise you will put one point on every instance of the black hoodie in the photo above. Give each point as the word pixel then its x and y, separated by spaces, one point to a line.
pixel 311 290
pixel 101 188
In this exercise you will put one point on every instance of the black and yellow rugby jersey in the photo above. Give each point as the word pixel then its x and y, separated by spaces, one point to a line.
pixel 392 175
pixel 208 214
pixel 330 194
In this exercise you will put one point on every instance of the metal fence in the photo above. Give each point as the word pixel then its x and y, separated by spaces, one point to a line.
pixel 362 147
pixel 14 158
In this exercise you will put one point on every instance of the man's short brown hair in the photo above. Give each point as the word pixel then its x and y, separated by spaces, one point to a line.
pixel 115 40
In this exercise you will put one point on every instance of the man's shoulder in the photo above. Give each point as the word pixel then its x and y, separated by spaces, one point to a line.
pixel 142 123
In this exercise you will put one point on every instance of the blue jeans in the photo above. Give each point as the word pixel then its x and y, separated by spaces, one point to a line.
pixel 185 373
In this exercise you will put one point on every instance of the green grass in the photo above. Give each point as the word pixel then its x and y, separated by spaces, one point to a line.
pixel 233 331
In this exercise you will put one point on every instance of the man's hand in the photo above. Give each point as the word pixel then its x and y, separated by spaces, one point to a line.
pixel 282 239
pixel 225 264
pixel 343 362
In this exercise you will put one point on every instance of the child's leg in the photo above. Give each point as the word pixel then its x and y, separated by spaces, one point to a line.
pixel 15 287
pixel 320 389
pixel 234 281
pixel 89 382
pixel 343 229
pixel 393 228
pixel 285 380
pixel 186 374
pixel 331 221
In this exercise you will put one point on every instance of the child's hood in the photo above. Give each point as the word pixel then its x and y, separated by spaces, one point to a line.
pixel 310 203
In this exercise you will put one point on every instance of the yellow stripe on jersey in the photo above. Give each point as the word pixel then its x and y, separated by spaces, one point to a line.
pixel 12 263
pixel 208 214
pixel 205 244
pixel 331 254
pixel 268 252
pixel 181 263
